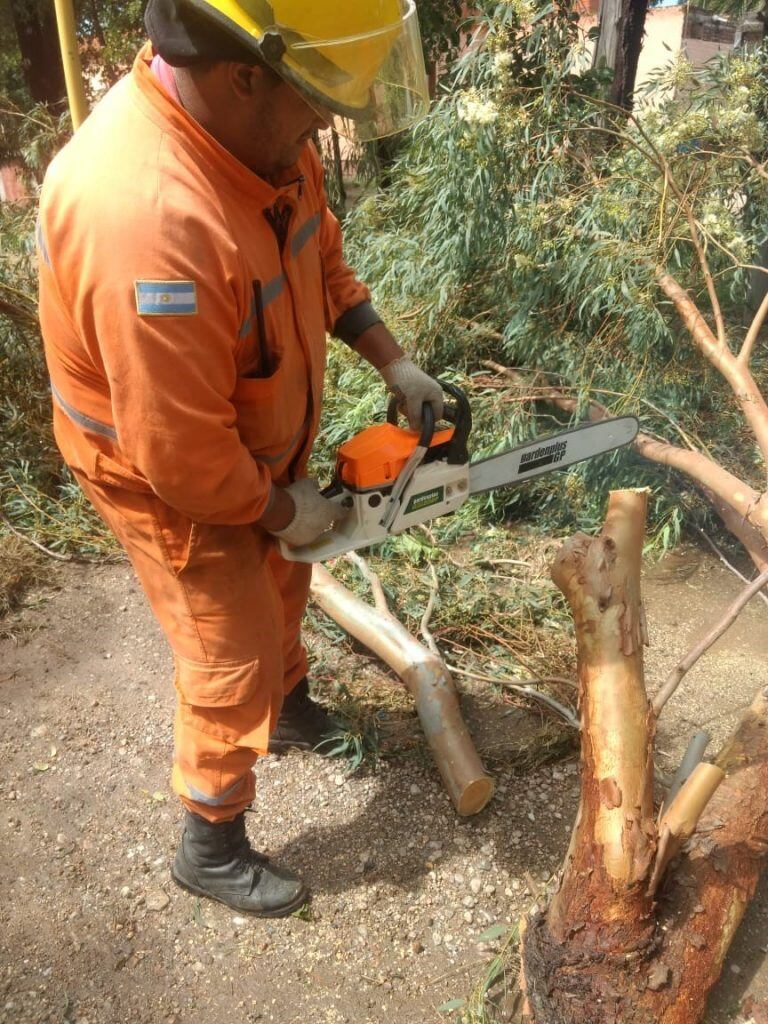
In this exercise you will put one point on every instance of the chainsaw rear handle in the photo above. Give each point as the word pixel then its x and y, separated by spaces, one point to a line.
pixel 457 413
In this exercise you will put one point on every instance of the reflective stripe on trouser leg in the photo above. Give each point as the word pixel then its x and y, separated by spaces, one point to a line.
pixel 212 777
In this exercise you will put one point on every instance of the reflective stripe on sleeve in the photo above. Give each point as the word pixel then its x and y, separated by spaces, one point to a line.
pixel 42 247
pixel 272 460
pixel 80 418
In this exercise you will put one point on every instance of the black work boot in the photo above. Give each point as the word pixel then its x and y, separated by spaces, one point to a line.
pixel 302 723
pixel 217 861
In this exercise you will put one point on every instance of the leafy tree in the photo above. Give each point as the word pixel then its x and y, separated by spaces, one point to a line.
pixel 512 233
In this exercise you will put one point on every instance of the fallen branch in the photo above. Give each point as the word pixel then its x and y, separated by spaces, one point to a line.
pixel 679 820
pixel 425 675
pixel 686 664
pixel 727 564
pixel 526 687
pixel 36 544
pixel 741 507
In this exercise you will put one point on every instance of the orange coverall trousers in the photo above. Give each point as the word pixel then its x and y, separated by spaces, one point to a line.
pixel 231 609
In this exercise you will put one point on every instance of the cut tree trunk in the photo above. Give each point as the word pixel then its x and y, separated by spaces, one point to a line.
pixel 625 939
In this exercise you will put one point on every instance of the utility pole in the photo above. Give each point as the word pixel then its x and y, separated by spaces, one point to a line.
pixel 70 55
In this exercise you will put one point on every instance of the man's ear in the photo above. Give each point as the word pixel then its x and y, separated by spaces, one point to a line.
pixel 246 80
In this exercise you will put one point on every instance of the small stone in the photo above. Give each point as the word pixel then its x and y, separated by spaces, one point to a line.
pixel 238 922
pixel 475 885
pixel 417 947
pixel 469 916
pixel 125 891
pixel 157 900
pixel 414 790
pixel 659 976
pixel 198 967
pixel 62 840
pixel 735 969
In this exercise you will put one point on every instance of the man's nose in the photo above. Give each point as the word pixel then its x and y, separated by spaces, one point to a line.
pixel 323 118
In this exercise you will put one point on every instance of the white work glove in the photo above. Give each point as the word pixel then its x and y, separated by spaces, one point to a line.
pixel 412 388
pixel 313 516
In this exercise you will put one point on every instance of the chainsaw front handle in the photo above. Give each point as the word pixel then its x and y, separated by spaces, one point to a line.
pixel 458 413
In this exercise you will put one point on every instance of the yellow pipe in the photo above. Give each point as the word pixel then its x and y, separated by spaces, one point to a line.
pixel 70 56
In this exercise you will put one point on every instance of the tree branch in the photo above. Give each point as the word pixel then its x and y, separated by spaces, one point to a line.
pixel 733 492
pixel 747 393
pixel 754 329
pixel 731 614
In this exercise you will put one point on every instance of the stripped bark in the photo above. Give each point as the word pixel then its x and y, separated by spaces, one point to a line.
pixel 627 939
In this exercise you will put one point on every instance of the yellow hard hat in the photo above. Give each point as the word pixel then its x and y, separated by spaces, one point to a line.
pixel 362 60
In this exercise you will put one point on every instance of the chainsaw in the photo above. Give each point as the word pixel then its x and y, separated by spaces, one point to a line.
pixel 389 478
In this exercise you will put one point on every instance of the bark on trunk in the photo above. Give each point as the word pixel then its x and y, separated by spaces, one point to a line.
pixel 625 940
pixel 622 24
pixel 35 25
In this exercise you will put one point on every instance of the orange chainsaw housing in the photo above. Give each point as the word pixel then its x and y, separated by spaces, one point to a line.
pixel 375 457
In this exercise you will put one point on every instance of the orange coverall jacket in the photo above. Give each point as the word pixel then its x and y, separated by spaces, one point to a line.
pixel 177 404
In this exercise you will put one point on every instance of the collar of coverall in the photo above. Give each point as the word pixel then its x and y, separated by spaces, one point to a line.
pixel 218 162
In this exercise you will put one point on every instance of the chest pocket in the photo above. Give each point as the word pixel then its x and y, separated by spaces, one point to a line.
pixel 270 398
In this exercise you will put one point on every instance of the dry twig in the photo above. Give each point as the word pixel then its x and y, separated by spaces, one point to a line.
pixel 727 620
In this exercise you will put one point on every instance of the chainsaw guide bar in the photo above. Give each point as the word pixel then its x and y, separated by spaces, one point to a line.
pixel 389 479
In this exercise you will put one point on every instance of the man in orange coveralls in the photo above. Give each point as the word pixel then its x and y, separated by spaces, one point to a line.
pixel 189 271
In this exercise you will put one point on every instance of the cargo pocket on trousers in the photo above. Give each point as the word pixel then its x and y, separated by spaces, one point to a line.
pixel 206 685
pixel 175 532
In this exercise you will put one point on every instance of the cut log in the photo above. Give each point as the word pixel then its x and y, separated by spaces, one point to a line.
pixel 426 677
pixel 633 935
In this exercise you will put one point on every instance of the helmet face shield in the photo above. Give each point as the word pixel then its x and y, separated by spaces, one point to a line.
pixel 373 83
pixel 360 63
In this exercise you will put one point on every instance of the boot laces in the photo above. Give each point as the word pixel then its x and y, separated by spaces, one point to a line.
pixel 246 858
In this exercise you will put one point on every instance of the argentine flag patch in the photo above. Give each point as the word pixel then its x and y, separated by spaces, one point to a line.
pixel 166 298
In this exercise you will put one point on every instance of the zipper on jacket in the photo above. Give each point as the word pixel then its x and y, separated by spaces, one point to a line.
pixel 279 219
pixel 279 215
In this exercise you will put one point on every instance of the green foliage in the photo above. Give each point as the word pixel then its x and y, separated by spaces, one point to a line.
pixel 30 138
pixel 115 32
pixel 524 224
pixel 357 746
pixel 498 977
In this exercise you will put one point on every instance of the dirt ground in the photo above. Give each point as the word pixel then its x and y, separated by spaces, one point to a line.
pixel 92 931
